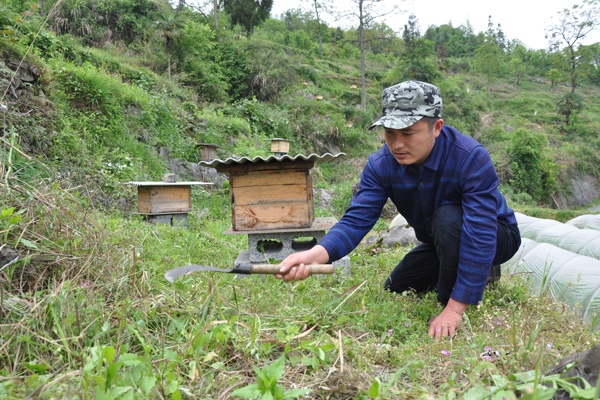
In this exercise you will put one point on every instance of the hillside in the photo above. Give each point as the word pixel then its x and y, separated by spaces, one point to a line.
pixel 96 95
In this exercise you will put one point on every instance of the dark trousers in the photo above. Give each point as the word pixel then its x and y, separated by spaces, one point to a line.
pixel 435 265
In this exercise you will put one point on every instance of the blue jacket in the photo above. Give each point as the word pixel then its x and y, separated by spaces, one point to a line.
pixel 458 171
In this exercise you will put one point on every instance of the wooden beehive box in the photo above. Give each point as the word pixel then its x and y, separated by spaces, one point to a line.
pixel 280 146
pixel 164 199
pixel 270 195
pixel 207 151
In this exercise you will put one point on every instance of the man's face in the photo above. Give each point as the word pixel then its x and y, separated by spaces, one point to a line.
pixel 412 145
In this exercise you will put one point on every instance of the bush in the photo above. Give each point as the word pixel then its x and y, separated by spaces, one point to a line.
pixel 533 171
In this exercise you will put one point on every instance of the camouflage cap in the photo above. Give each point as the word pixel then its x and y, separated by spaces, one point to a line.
pixel 408 102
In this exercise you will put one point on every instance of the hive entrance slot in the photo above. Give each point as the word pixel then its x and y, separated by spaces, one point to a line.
pixel 304 243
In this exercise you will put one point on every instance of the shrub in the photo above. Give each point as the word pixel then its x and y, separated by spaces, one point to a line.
pixel 533 171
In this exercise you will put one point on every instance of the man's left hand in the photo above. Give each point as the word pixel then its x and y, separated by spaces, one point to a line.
pixel 445 324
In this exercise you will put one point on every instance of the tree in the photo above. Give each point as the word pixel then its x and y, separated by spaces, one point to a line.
pixel 572 27
pixel 248 13
pixel 168 25
pixel 554 76
pixel 216 12
pixel 320 5
pixel 488 60
pixel 569 104
pixel 517 61
pixel 366 11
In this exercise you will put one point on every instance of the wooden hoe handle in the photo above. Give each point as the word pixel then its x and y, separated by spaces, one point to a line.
pixel 273 269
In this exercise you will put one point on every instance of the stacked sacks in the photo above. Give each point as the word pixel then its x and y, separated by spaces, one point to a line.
pixel 569 277
pixel 566 236
pixel 586 222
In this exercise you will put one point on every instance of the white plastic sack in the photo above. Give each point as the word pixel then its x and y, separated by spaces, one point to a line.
pixel 533 230
pixel 580 222
pixel 568 277
pixel 555 234
pixel 511 265
pixel 594 223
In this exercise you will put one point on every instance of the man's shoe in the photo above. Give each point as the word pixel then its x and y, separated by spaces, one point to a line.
pixel 494 276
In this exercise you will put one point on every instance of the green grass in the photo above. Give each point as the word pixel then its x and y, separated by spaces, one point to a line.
pixel 93 301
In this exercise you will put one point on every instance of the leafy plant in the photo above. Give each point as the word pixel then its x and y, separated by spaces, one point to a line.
pixel 266 386
pixel 569 104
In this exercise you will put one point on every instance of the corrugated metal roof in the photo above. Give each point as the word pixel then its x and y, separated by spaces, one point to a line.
pixel 244 160
pixel 168 183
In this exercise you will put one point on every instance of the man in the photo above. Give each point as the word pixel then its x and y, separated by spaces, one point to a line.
pixel 445 185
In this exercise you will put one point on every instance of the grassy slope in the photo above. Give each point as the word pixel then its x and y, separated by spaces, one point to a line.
pixel 93 299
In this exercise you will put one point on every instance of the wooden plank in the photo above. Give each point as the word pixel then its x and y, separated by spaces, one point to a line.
pixel 309 197
pixel 318 225
pixel 170 198
pixel 270 194
pixel 143 199
pixel 265 166
pixel 265 179
pixel 257 217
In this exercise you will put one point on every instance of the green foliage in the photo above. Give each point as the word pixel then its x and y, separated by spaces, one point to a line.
pixel 568 105
pixel 533 171
pixel 247 13
pixel 309 73
pixel 489 61
pixel 127 20
pixel 555 76
pixel 266 387
pixel 460 105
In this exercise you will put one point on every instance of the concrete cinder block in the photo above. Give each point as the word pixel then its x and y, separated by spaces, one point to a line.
pixel 180 220
pixel 160 219
pixel 265 246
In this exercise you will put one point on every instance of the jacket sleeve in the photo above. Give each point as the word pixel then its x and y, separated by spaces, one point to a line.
pixel 479 184
pixel 364 211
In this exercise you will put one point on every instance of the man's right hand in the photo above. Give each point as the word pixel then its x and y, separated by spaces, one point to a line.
pixel 295 266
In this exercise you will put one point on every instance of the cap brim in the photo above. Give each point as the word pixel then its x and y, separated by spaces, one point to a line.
pixel 394 122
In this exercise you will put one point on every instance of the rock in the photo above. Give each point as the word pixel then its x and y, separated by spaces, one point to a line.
pixel 355 188
pixel 13 64
pixel 35 71
pixel 309 96
pixel 134 111
pixel 26 77
pixel 587 366
pixel 121 204
pixel 144 136
pixel 399 220
pixel 2 64
pixel 507 128
pixel 584 190
pixel 170 177
pixel 332 148
pixel 189 171
pixel 7 254
pixel 324 196
pixel 389 210
pixel 164 151
pixel 400 235
pixel 395 236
